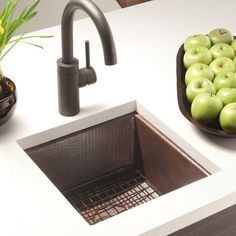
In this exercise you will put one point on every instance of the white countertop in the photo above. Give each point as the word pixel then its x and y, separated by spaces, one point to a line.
pixel 147 38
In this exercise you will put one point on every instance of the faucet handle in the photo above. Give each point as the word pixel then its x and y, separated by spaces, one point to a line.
pixel 87 54
pixel 87 75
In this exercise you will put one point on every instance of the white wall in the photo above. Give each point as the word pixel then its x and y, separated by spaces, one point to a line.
pixel 50 12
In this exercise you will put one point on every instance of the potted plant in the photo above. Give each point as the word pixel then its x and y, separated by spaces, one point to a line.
pixel 8 28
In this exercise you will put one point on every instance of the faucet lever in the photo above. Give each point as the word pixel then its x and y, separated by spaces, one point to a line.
pixel 87 54
pixel 87 75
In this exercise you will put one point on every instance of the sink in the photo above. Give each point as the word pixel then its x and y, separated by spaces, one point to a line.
pixel 110 167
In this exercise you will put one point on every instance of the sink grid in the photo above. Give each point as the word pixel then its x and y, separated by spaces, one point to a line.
pixel 110 195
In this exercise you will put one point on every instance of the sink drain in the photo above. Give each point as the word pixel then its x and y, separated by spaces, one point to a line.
pixel 110 195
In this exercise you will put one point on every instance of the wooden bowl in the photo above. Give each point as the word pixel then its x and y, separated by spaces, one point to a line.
pixel 185 106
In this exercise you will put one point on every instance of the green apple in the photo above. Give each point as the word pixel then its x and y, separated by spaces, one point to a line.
pixel 234 60
pixel 228 117
pixel 227 95
pixel 198 70
pixel 197 40
pixel 220 35
pixel 197 86
pixel 206 108
pixel 222 50
pixel 197 54
pixel 225 80
pixel 222 64
pixel 233 45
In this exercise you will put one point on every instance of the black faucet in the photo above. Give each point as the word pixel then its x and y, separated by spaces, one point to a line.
pixel 70 77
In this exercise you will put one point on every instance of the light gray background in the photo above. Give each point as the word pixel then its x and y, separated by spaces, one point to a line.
pixel 50 12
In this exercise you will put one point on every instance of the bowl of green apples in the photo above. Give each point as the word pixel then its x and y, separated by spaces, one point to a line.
pixel 206 81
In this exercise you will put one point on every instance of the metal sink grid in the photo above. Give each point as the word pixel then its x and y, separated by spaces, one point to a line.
pixel 110 195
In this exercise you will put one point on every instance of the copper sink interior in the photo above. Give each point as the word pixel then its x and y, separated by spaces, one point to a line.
pixel 114 166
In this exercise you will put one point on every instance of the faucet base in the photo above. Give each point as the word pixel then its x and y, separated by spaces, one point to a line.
pixel 68 92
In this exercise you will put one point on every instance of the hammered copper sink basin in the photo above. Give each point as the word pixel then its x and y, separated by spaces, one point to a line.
pixel 116 165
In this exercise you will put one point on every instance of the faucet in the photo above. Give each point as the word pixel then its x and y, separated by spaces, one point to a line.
pixel 70 77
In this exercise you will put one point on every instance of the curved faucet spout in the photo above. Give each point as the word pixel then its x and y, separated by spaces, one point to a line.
pixel 102 26
pixel 70 77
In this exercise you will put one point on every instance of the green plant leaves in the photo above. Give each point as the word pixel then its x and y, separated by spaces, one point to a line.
pixel 10 26
pixel 28 12
pixel 8 11
pixel 9 49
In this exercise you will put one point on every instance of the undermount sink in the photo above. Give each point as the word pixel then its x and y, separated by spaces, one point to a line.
pixel 113 166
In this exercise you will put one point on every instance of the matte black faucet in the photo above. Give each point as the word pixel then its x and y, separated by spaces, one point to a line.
pixel 70 77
